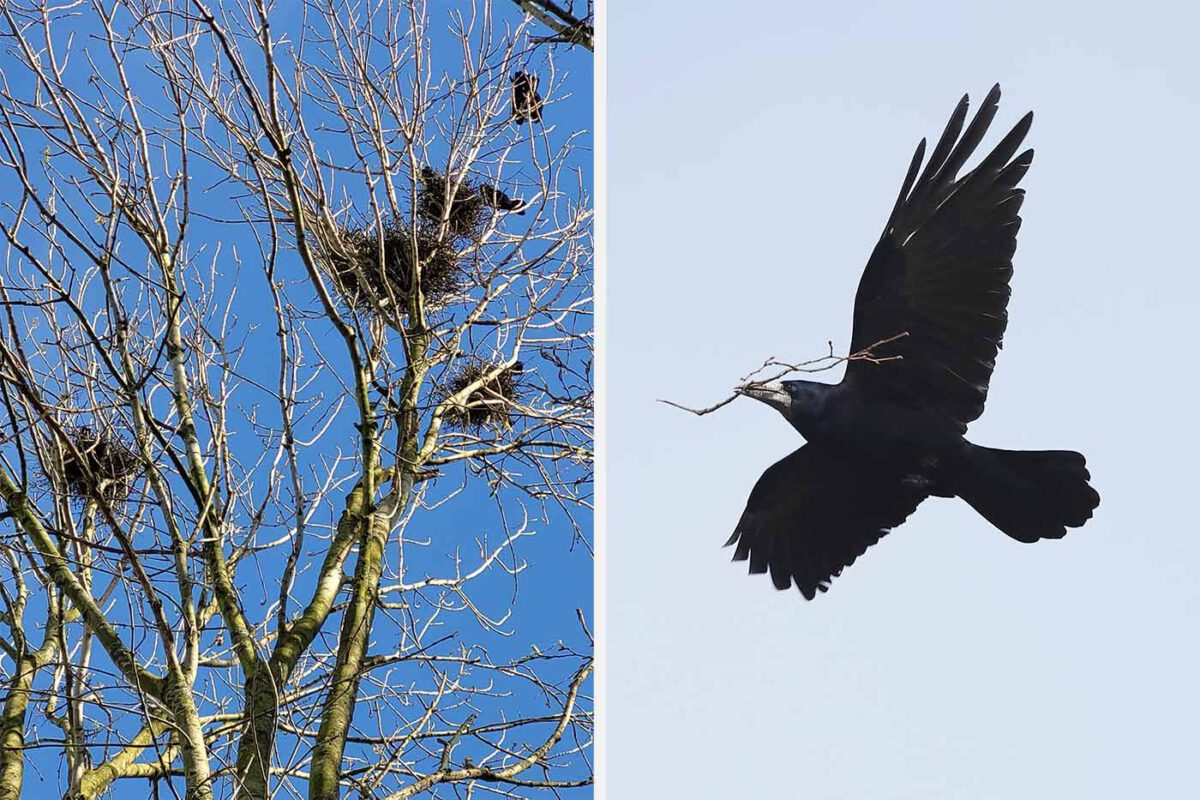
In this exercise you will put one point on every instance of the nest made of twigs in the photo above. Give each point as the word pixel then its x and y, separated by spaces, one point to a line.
pixel 371 278
pixel 468 211
pixel 490 405
pixel 101 461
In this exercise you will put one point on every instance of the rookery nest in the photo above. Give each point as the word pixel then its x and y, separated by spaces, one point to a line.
pixel 371 277
pixel 489 405
pixel 99 461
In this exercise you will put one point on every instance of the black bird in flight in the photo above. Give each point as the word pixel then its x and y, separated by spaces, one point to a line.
pixel 526 102
pixel 891 433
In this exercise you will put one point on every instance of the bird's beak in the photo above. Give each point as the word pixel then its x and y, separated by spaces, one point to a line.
pixel 772 393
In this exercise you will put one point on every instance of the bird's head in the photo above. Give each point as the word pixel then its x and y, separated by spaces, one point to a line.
pixel 796 400
pixel 773 393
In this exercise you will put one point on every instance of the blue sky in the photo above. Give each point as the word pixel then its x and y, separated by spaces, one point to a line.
pixel 753 158
pixel 558 580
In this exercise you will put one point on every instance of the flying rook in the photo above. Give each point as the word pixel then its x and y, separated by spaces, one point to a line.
pixel 891 433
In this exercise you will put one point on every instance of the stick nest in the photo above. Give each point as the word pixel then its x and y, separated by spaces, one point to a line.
pixel 489 405
pixel 105 462
pixel 468 211
pixel 370 279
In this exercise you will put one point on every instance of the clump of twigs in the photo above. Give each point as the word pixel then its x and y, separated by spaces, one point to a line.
pixel 379 266
pixel 490 404
pixel 99 461
pixel 467 211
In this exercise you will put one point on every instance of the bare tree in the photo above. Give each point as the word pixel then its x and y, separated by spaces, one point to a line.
pixel 569 26
pixel 291 386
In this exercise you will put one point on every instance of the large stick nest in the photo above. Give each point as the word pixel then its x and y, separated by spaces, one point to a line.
pixel 491 404
pixel 380 269
pixel 467 212
pixel 105 463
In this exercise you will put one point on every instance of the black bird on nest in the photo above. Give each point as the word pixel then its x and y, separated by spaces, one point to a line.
pixel 929 316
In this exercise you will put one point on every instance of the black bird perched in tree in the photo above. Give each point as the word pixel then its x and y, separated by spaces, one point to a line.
pixel 526 102
pixel 890 434
pixel 496 198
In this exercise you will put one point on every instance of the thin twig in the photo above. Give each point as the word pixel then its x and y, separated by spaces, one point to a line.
pixel 700 412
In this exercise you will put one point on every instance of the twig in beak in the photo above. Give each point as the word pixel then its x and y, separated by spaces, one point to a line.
pixel 812 365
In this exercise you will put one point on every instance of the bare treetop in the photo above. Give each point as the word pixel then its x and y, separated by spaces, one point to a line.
pixel 296 369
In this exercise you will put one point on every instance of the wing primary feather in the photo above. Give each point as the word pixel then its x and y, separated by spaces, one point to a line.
pixel 1000 155
pixel 971 139
pixel 780 558
pixel 1011 175
pixel 946 141
pixel 909 178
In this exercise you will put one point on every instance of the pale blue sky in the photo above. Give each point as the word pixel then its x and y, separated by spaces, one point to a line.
pixel 753 159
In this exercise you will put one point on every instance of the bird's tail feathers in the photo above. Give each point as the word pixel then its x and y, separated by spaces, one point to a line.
pixel 1028 494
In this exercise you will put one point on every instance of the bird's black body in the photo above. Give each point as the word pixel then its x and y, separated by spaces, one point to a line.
pixel 526 102
pixel 839 415
pixel 930 313
pixel 497 198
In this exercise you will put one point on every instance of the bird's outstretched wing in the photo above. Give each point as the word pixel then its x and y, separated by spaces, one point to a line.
pixel 940 273
pixel 813 513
